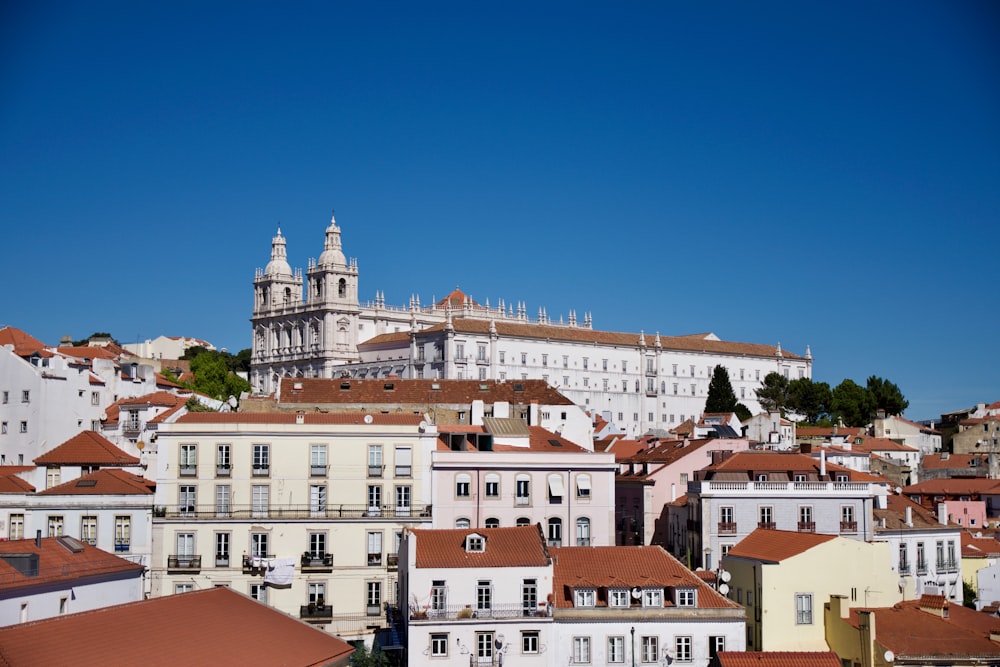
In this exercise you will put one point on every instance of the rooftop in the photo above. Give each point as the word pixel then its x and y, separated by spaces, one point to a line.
pixel 86 448
pixel 107 482
pixel 58 559
pixel 774 546
pixel 520 546
pixel 308 418
pixel 326 391
pixel 779 659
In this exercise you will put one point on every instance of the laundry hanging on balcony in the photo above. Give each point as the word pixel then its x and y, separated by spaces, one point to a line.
pixel 280 571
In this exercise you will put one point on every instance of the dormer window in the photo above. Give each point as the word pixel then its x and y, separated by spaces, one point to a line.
pixel 475 543
pixel 652 597
pixel 584 597
pixel 761 477
pixel 685 597
pixel 618 597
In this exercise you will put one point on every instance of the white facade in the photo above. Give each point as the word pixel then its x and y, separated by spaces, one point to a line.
pixel 166 347
pixel 317 327
pixel 771 429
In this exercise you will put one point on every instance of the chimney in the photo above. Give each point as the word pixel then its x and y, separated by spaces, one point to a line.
pixel 909 517
pixel 943 513
pixel 822 463
pixel 38 539
pixel 806 448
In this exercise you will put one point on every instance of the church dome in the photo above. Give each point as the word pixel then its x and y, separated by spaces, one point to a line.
pixel 332 254
pixel 278 266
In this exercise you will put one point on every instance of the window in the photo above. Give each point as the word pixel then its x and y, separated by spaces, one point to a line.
pixel 95 398
pixel 806 518
pixel 439 645
pixel 53 476
pixel 555 532
pixel 484 647
pixel 16 531
pixel 404 462
pixel 374 500
pixel 475 543
pixel 524 358
pixel 583 486
pixel 374 598
pixel 317 460
pixel 462 522
pixel 6 397
pixel 261 460
pixel 581 650
pixel 847 522
pixel 186 499
pixel 682 649
pixel 222 500
pixel 556 490
pixel 618 597
pixel 652 597
pixel 123 533
pixel 921 559
pixel 765 515
pixel 374 460
pixel 317 545
pixel 522 491
pixel 492 522
pixel 88 530
pixel 616 649
pixel 583 532
pixel 317 593
pixel 686 597
pixel 26 396
pixel 522 521
pixel 183 588
pixel 529 641
pixel 463 485
pixel 317 499
pixel 529 596
pixel 3 427
pixel 260 497
pixel 716 644
pixel 403 501
pixel 586 363
pixel 374 548
pixel 459 351
pixel 650 649
pixel 185 548
pixel 803 608
pixel 502 356
pixel 223 462
pixel 484 595
pixel 439 595
pixel 480 352
pixel 24 427
pixel 258 545
pixel 584 597
pixel 189 460
pixel 259 592
pixel 492 486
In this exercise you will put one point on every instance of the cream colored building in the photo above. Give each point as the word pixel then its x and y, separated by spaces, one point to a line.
pixel 302 511
pixel 783 578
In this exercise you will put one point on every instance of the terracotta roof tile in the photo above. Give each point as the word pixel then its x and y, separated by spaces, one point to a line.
pixel 520 546
pixel 979 547
pixel 895 515
pixel 163 381
pixel 215 626
pixel 954 486
pixel 750 463
pixel 106 481
pixel 774 546
pixel 87 448
pixel 86 352
pixel 14 484
pixel 827 431
pixel 625 567
pixel 60 559
pixel 24 343
pixel 162 399
pixel 307 418
pixel 779 659
pixel 395 391
pixel 943 461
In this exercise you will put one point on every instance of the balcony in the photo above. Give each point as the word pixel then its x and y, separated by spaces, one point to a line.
pixel 392 561
pixel 188 471
pixel 317 471
pixel 306 511
pixel 122 546
pixel 921 567
pixel 904 568
pixel 374 560
pixel 469 612
pixel 375 471
pixel 373 610
pixel 262 471
pixel 221 560
pixel 223 470
pixel 848 526
pixel 317 562
pixel 946 566
pixel 316 613
pixel 522 500
pixel 181 563
pixel 256 564
pixel 766 525
pixel 807 526
pixel 727 528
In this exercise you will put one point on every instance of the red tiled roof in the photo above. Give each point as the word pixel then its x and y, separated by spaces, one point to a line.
pixel 58 562
pixel 625 567
pixel 215 626
pixel 314 418
pixel 979 547
pixel 520 546
pixel 779 659
pixel 24 343
pixel 14 484
pixel 868 443
pixel 163 381
pixel 457 299
pixel 87 448
pixel 323 391
pixel 895 515
pixel 828 431
pixel 908 631
pixel 750 463
pixel 539 439
pixel 86 352
pixel 14 470
pixel 774 546
pixel 107 482
pixel 939 461
pixel 163 399
pixel 954 486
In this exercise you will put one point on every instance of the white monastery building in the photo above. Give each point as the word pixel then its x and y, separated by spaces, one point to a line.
pixel 316 326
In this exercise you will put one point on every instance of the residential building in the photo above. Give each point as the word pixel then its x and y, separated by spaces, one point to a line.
pixel 302 511
pixel 506 473
pixel 925 439
pixel 771 430
pixel 773 574
pixel 931 493
pixel 655 476
pixel 928 631
pixel 479 597
pixel 981 569
pixel 977 435
pixel 923 548
pixel 52 576
pixel 741 492
pixel 947 465
pixel 166 347
pixel 216 626
pixel 316 326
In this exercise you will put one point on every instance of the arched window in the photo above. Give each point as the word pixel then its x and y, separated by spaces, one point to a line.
pixel 288 294
pixel 341 288
pixel 492 522
pixel 583 486
pixel 555 532
pixel 523 521
pixel 462 522
pixel 583 532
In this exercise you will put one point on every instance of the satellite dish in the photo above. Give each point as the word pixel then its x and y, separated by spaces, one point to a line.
pixel 140 445
pixel 368 419
pixel 889 656
pixel 725 575
pixel 636 593
pixel 724 589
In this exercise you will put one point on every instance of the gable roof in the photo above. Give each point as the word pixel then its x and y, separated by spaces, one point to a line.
pixel 313 418
pixel 779 659
pixel 87 448
pixel 162 399
pixel 24 344
pixel 625 567
pixel 894 515
pixel 748 463
pixel 11 483
pixel 948 460
pixel 954 486
pixel 520 546
pixel 106 481
pixel 979 547
pixel 774 546
pixel 60 559
pixel 215 626
pixel 330 391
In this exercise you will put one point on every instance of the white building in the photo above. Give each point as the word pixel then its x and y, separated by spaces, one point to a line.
pixel 166 347
pixel 771 429
pixel 318 327
pixel 925 439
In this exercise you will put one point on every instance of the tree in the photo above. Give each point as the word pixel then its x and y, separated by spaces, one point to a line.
pixel 886 396
pixel 721 397
pixel 809 399
pixel 852 403
pixel 362 657
pixel 212 375
pixel 742 412
pixel 773 394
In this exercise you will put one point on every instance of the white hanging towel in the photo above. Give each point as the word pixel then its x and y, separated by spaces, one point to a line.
pixel 280 571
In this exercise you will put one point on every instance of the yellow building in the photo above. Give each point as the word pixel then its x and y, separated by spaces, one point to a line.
pixel 784 577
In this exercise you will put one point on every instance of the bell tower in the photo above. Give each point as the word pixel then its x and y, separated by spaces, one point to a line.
pixel 332 301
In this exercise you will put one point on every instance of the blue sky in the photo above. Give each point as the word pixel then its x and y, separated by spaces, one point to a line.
pixel 823 174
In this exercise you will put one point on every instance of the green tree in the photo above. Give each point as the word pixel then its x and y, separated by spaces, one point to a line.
pixel 241 362
pixel 852 403
pixel 969 595
pixel 213 377
pixel 886 396
pixel 809 399
pixel 773 394
pixel 742 412
pixel 363 657
pixel 721 397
